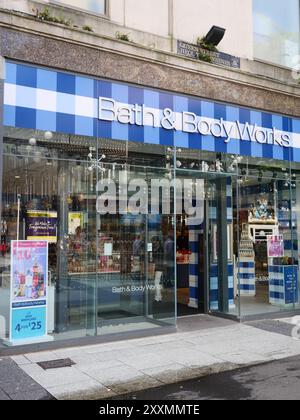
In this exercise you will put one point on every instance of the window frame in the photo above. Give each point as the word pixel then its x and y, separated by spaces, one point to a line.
pixel 79 9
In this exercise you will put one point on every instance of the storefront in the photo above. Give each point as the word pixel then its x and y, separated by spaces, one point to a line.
pixel 125 207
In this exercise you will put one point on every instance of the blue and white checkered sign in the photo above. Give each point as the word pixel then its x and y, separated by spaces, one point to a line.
pixel 43 99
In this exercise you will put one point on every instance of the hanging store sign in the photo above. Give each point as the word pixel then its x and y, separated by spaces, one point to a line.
pixel 29 283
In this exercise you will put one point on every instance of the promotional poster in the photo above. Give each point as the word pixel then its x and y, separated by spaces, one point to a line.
pixel 41 226
pixel 29 280
pixel 275 247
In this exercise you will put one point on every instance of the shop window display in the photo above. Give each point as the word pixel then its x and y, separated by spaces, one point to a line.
pixel 107 274
pixel 265 204
pixel 118 273
pixel 268 243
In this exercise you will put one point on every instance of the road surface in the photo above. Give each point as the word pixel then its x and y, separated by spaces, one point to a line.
pixel 278 380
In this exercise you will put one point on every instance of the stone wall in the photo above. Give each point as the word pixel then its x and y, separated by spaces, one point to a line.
pixel 41 43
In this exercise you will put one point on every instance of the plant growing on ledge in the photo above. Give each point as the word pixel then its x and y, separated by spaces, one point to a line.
pixel 202 56
pixel 123 37
pixel 209 47
pixel 87 28
pixel 48 17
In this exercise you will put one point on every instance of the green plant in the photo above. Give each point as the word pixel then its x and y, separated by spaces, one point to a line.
pixel 123 37
pixel 87 28
pixel 206 46
pixel 48 17
pixel 202 56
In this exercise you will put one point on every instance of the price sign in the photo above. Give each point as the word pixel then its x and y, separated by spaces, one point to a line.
pixel 28 323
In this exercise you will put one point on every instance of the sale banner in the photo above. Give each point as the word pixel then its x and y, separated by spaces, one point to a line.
pixel 29 281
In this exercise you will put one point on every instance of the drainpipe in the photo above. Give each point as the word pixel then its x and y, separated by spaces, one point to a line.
pixel 171 23
pixel 124 13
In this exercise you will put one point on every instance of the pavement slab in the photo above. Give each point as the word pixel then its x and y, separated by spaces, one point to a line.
pixel 85 390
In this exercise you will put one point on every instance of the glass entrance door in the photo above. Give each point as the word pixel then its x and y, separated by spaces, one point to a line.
pixel 222 265
pixel 205 260
pixel 135 262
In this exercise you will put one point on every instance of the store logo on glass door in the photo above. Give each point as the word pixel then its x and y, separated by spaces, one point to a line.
pixel 189 122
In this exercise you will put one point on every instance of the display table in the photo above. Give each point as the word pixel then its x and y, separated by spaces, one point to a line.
pixel 284 288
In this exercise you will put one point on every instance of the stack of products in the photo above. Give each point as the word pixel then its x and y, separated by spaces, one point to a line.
pixel 247 284
pixel 246 245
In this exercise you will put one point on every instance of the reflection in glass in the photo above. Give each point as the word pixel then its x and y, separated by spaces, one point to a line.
pixel 276 31
pixel 108 273
pixel 97 6
pixel 268 269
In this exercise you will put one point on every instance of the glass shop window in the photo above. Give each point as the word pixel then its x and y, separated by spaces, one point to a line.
pixel 95 6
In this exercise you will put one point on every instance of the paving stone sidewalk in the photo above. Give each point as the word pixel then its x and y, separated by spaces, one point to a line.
pixel 108 370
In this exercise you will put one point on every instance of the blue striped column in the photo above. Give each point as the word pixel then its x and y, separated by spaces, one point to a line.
pixel 276 288
pixel 194 274
pixel 247 279
pixel 214 287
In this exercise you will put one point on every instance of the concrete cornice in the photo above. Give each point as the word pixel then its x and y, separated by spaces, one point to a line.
pixel 133 63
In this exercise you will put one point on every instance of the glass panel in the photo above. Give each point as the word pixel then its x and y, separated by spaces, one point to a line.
pixel 192 281
pixel 220 224
pixel 109 273
pixel 295 191
pixel 276 31
pixel 97 6
pixel 266 247
pixel 136 260
pixel 46 197
pixel 210 242
pixel 77 257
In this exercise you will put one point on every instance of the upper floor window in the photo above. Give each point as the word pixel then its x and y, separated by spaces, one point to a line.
pixel 95 6
pixel 277 31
